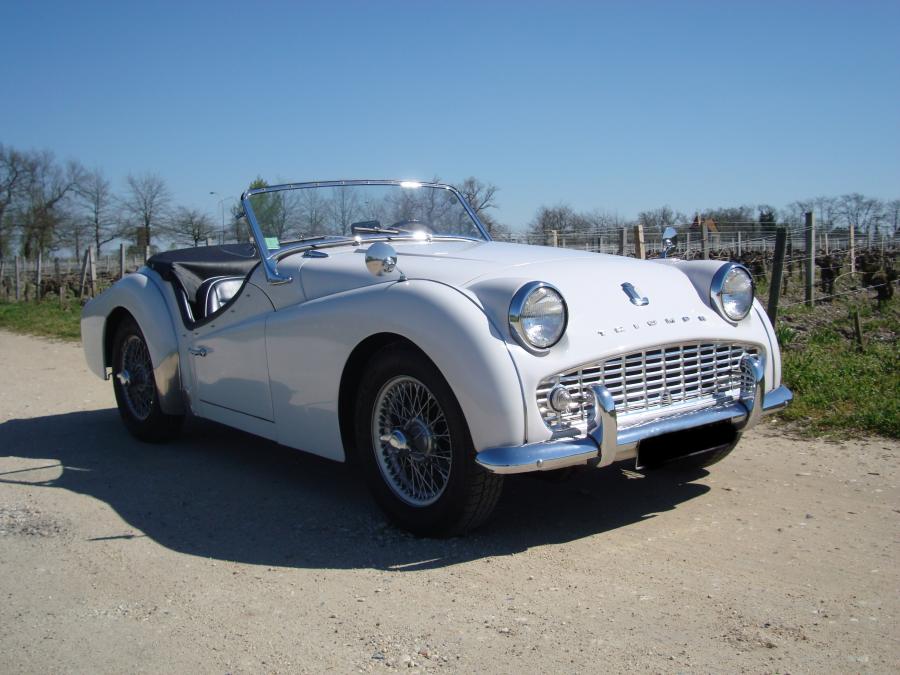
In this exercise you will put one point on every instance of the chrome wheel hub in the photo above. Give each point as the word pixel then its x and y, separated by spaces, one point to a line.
pixel 136 377
pixel 411 441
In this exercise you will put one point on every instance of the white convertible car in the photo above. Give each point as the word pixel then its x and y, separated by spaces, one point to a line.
pixel 395 333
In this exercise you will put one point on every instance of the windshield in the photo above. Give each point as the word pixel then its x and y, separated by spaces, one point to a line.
pixel 359 208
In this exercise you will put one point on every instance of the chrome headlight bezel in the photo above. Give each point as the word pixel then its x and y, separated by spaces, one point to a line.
pixel 516 307
pixel 716 290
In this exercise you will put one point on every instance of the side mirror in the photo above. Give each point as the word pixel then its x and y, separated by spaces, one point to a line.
pixel 381 258
pixel 669 237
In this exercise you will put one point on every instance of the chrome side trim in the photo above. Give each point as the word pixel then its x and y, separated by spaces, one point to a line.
pixel 558 454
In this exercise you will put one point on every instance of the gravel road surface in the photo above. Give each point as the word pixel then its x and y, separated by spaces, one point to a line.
pixel 223 553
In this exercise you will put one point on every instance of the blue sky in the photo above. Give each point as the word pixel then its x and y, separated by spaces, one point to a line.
pixel 612 105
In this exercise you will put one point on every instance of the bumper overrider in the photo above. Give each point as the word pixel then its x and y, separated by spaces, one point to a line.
pixel 605 441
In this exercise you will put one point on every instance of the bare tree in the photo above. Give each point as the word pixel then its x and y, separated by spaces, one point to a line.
pixel 97 205
pixel 481 197
pixel 43 210
pixel 863 213
pixel 658 219
pixel 13 173
pixel 548 218
pixel 892 216
pixel 147 201
pixel 344 208
pixel 190 226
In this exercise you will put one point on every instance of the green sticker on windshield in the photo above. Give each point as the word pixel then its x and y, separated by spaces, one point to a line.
pixel 272 243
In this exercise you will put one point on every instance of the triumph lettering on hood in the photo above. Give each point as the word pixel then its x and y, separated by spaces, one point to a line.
pixel 650 323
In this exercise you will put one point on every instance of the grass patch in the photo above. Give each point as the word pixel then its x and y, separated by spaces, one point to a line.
pixel 836 387
pixel 42 318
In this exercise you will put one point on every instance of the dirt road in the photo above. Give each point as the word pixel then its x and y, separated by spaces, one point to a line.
pixel 223 553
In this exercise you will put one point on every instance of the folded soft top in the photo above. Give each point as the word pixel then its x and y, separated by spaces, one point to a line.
pixel 190 267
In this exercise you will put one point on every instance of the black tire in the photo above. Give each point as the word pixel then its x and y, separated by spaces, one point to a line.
pixel 136 393
pixel 467 495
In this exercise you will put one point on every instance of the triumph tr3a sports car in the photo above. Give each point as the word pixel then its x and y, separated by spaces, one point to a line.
pixel 376 321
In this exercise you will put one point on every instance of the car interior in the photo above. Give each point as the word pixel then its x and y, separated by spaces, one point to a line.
pixel 205 279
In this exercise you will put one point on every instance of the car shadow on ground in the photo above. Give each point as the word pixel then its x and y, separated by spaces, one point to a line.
pixel 223 494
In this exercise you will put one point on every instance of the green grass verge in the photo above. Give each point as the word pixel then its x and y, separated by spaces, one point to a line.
pixel 42 318
pixel 837 388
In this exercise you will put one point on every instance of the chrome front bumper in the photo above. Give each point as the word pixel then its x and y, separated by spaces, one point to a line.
pixel 606 442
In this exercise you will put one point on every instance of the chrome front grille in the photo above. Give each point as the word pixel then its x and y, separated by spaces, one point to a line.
pixel 660 379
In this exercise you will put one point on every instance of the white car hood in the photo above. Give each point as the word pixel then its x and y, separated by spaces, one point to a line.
pixel 602 317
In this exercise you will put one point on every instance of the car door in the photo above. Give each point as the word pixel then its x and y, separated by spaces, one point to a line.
pixel 228 355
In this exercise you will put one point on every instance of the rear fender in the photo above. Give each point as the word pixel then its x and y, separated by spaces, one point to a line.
pixel 140 296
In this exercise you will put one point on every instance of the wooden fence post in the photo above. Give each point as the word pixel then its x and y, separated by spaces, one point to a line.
pixel 38 277
pixel 62 297
pixel 93 272
pixel 84 273
pixel 852 249
pixel 739 251
pixel 777 271
pixel 18 278
pixel 704 240
pixel 623 241
pixel 810 258
pixel 121 261
pixel 639 251
pixel 857 331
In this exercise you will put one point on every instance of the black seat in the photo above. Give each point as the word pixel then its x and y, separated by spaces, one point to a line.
pixel 215 293
pixel 207 276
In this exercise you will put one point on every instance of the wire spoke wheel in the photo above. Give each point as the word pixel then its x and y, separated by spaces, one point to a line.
pixel 411 439
pixel 136 377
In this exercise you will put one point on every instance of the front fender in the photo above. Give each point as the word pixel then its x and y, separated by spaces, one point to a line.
pixel 309 345
pixel 140 296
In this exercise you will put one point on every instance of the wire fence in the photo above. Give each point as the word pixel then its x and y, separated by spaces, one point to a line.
pixel 840 264
pixel 815 266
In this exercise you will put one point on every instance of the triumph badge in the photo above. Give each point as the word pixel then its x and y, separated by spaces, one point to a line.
pixel 634 296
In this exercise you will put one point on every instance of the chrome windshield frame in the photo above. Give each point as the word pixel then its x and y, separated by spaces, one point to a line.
pixel 270 259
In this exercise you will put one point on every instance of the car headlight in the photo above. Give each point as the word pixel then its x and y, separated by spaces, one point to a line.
pixel 731 291
pixel 538 315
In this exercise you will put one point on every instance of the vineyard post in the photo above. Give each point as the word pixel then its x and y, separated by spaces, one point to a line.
pixel 93 272
pixel 704 240
pixel 18 279
pixel 38 274
pixel 852 249
pixel 810 258
pixel 777 272
pixel 739 251
pixel 639 251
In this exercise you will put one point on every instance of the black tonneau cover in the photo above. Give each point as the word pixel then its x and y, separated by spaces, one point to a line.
pixel 190 267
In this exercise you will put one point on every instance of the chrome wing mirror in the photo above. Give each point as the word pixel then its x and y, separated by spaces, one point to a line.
pixel 669 238
pixel 381 259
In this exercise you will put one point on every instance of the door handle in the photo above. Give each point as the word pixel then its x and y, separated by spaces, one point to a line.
pixel 197 351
